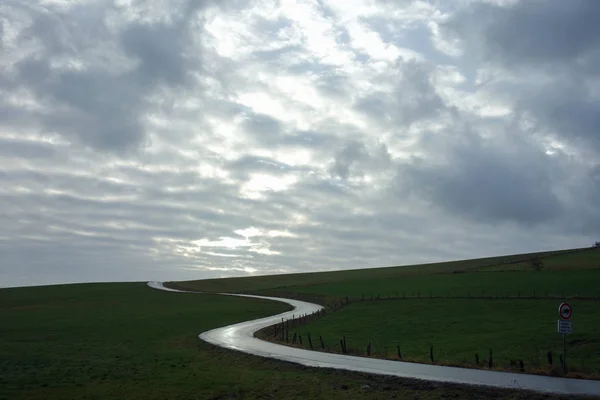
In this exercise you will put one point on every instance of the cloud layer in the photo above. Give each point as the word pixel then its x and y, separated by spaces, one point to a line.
pixel 193 139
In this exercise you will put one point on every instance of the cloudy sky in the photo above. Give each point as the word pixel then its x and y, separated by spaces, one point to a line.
pixel 188 139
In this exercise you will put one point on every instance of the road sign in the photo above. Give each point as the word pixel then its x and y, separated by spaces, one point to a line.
pixel 565 327
pixel 565 311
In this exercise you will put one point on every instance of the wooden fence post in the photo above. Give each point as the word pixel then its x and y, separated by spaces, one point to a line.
pixel 322 343
pixel 294 338
pixel 369 349
pixel 342 346
pixel 300 340
pixel 521 366
pixel 399 352
pixel 550 358
pixel 310 342
pixel 431 353
pixel 491 360
pixel 476 359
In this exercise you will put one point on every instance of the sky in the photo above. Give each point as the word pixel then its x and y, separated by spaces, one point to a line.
pixel 191 139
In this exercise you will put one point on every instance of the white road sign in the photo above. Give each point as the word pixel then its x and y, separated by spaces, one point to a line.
pixel 565 327
pixel 565 311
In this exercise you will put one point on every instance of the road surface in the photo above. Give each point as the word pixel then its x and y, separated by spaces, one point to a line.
pixel 241 337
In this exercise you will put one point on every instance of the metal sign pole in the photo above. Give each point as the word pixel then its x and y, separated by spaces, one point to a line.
pixel 565 326
pixel 565 353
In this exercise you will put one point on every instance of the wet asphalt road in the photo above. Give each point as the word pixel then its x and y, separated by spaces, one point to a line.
pixel 241 337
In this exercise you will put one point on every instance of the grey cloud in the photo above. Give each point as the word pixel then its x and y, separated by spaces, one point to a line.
pixel 412 100
pixel 487 181
pixel 26 149
pixel 265 128
pixel 566 107
pixel 353 151
pixel 533 32
pixel 161 51
pixel 96 105
pixel 100 208
pixel 552 51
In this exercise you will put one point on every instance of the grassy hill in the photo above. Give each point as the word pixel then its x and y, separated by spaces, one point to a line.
pixel 370 278
pixel 460 308
pixel 125 340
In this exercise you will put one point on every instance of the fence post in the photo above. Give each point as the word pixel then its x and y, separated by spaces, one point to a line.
pixel 562 361
pixel 550 358
pixel 342 346
pixel 310 342
pixel 322 343
pixel 294 338
pixel 431 353
pixel 369 349
pixel 521 366
pixel 491 360
pixel 476 359
pixel 399 352
pixel 345 345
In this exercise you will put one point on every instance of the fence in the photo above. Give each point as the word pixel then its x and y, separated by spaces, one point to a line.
pixel 537 361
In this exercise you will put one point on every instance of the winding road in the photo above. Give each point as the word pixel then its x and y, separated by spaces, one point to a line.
pixel 241 337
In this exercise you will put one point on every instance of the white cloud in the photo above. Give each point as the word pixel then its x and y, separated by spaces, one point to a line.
pixel 191 139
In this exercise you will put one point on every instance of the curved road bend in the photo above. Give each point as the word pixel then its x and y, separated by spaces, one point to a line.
pixel 241 337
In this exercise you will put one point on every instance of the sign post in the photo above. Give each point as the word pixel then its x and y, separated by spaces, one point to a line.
pixel 565 326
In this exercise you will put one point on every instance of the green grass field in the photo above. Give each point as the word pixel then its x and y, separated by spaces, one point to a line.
pixel 127 341
pixel 459 328
pixel 458 278
pixel 98 341
pixel 586 259
pixel 487 289
pixel 570 283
